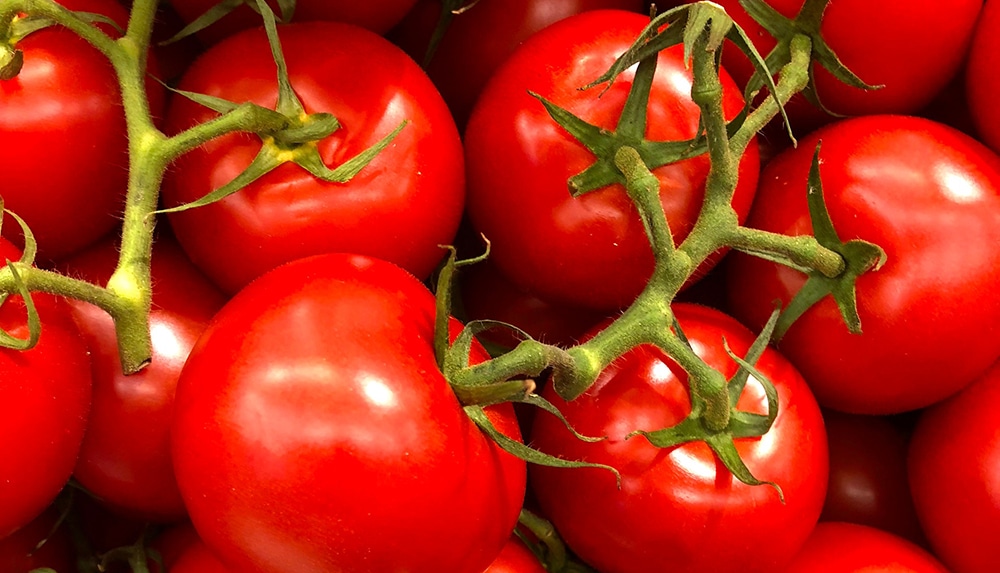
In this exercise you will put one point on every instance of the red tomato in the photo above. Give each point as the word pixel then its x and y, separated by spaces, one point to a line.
pixel 313 430
pixel 679 509
pixel 515 558
pixel 982 82
pixel 19 553
pixel 590 250
pixel 480 39
pixel 401 207
pixel 851 548
pixel 956 488
pixel 46 399
pixel 868 479
pixel 65 164
pixel 907 47
pixel 930 197
pixel 375 15
pixel 125 457
pixel 198 558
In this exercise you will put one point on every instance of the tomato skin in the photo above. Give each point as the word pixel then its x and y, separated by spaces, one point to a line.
pixel 906 47
pixel 515 558
pixel 61 124
pixel 868 478
pixel 928 195
pixel 591 250
pixel 981 82
pixel 850 548
pixel 680 510
pixel 50 382
pixel 313 430
pixel 956 490
pixel 480 39
pixel 400 207
pixel 375 15
pixel 125 456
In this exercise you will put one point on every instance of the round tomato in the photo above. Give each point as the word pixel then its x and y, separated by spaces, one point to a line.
pixel 850 548
pixel 400 207
pixel 912 49
pixel 868 479
pixel 956 489
pixel 930 197
pixel 46 400
pixel 65 159
pixel 480 39
pixel 680 509
pixel 590 250
pixel 125 457
pixel 981 83
pixel 376 15
pixel 314 430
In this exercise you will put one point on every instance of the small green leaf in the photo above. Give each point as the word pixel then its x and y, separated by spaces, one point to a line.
pixel 288 103
pixel 267 159
pixel 725 449
pixel 209 17
pixel 688 430
pixel 8 340
pixel 543 404
pixel 309 159
pixel 527 453
pixel 746 366
pixel 287 9
pixel 756 350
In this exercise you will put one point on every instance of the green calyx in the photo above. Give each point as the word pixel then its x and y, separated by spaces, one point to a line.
pixel 807 22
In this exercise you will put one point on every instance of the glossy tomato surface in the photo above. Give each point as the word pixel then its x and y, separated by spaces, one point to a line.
pixel 125 457
pixel 314 431
pixel 911 49
pixel 680 509
pixel 65 163
pixel 400 207
pixel 46 400
pixel 481 38
pixel 930 197
pixel 590 250
pixel 850 548
pixel 956 488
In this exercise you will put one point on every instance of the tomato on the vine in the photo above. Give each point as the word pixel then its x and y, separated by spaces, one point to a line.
pixel 910 49
pixel 314 430
pixel 680 509
pixel 125 456
pixel 401 207
pixel 65 162
pixel 46 400
pixel 930 197
pixel 589 250
pixel 478 40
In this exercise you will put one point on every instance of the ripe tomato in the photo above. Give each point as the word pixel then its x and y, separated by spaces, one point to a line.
pixel 907 47
pixel 65 164
pixel 314 431
pixel 930 197
pixel 515 558
pixel 956 489
pixel 46 399
pixel 591 250
pixel 868 479
pixel 401 207
pixel 980 80
pixel 479 40
pixel 850 548
pixel 125 456
pixel 679 509
pixel 376 15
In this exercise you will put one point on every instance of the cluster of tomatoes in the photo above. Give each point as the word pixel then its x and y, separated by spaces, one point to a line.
pixel 294 416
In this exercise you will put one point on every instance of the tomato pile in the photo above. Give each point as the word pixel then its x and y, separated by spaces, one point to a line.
pixel 499 286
